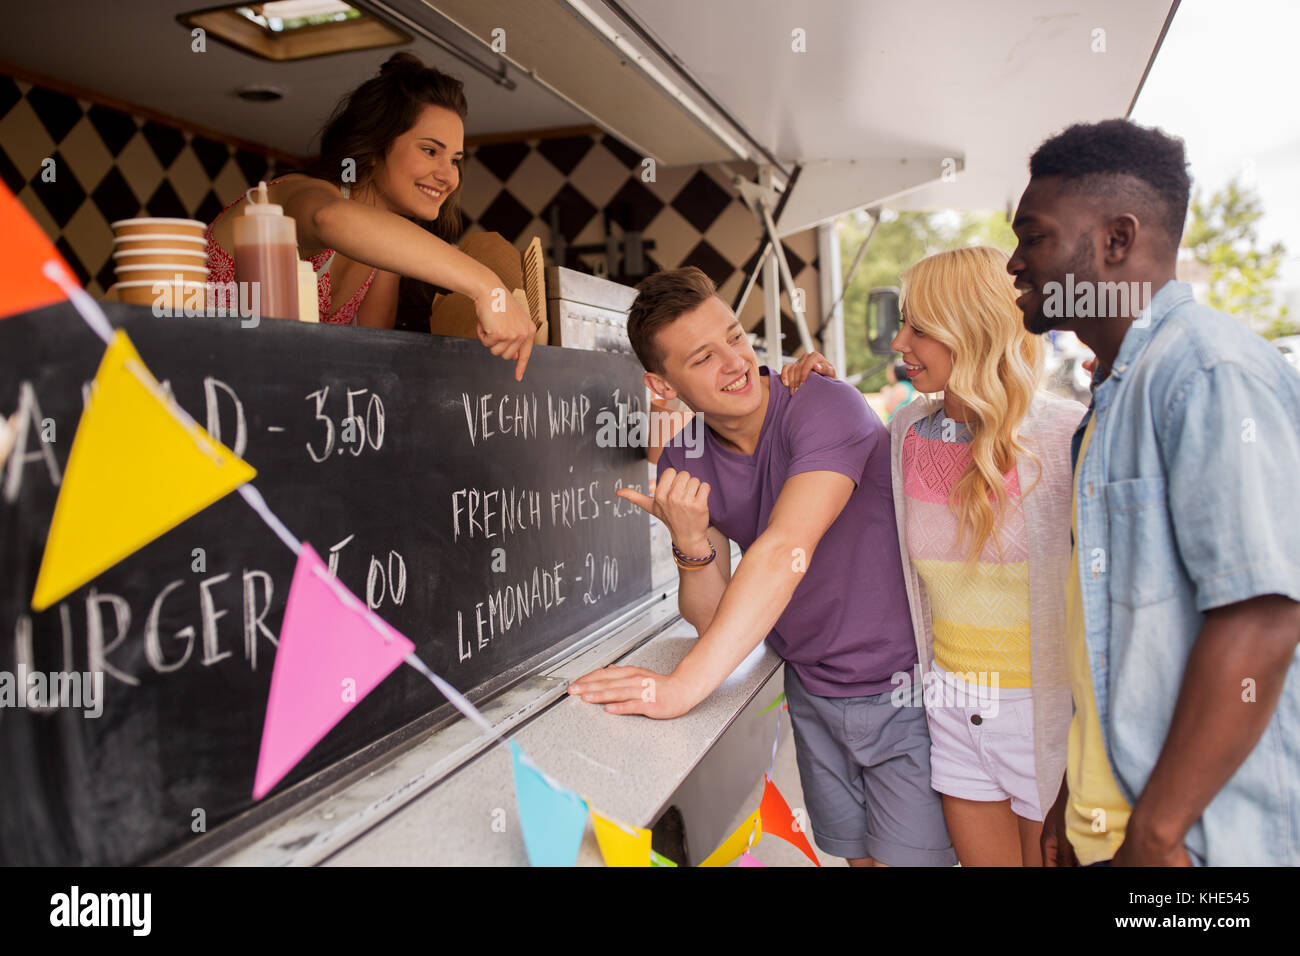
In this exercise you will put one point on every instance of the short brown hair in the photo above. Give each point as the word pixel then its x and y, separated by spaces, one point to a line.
pixel 660 299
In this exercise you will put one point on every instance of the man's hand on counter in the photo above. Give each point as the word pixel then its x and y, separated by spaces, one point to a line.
pixel 635 690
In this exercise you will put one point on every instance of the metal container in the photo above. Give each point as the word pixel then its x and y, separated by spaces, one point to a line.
pixel 587 312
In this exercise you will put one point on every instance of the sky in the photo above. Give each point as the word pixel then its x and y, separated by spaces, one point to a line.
pixel 1227 81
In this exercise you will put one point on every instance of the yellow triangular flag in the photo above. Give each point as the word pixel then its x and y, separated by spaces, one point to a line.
pixel 136 470
pixel 618 846
pixel 736 844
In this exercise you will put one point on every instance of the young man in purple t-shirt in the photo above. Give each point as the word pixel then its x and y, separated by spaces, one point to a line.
pixel 802 483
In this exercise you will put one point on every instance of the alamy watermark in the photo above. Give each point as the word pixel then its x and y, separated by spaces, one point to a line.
pixel 637 429
pixel 1096 300
pixel 191 299
pixel 131 911
pixel 37 690
pixel 971 689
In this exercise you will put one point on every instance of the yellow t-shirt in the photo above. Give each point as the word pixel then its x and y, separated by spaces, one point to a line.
pixel 1096 812
pixel 980 614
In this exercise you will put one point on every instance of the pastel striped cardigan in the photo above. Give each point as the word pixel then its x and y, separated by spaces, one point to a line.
pixel 1046 500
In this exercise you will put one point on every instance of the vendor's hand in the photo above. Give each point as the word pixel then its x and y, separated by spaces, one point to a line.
pixel 635 690
pixel 682 503
pixel 505 328
pixel 792 376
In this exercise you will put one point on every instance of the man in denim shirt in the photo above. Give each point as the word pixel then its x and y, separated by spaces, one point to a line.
pixel 1185 745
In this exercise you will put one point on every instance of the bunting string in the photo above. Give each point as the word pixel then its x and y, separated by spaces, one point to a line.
pixel 263 510
pixel 98 322
pixel 776 739
pixel 90 312
pixel 86 307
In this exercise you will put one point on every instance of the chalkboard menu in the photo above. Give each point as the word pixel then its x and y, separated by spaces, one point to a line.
pixel 475 514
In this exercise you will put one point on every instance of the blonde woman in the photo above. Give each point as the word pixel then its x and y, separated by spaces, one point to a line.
pixel 981 476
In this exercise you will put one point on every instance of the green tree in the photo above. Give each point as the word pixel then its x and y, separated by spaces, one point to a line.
pixel 902 239
pixel 1221 235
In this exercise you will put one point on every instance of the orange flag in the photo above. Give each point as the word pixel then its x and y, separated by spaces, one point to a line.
pixel 24 250
pixel 779 821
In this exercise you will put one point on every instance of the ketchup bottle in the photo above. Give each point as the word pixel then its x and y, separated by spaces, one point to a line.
pixel 266 253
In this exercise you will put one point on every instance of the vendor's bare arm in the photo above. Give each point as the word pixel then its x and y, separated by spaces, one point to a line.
pixel 396 245
pixel 383 240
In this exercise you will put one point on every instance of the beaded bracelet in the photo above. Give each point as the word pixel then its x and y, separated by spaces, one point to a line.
pixel 691 564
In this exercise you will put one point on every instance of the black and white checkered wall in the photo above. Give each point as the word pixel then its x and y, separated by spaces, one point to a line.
pixel 691 214
pixel 109 165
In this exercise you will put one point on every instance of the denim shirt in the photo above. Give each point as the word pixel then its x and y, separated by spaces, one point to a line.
pixel 1188 500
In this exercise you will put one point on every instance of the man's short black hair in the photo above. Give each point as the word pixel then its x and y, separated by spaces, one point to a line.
pixel 1101 157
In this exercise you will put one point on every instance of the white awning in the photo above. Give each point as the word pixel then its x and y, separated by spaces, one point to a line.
pixel 916 104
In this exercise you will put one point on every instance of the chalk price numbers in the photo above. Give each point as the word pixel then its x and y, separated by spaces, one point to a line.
pixel 608 578
pixel 623 507
pixel 356 431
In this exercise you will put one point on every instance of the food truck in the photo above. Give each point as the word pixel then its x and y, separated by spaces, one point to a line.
pixel 474 515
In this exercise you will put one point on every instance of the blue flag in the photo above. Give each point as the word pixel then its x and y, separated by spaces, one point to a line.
pixel 552 818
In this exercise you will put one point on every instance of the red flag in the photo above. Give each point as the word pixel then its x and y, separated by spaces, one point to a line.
pixel 24 251
pixel 779 821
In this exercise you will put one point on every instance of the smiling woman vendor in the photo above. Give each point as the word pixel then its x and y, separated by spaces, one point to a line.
pixel 401 135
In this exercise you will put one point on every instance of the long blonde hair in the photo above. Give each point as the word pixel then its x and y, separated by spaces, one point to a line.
pixel 965 300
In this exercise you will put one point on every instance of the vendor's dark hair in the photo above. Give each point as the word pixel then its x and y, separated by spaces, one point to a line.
pixel 366 121
pixel 1120 159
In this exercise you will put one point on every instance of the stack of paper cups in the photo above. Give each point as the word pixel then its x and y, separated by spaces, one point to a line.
pixel 168 254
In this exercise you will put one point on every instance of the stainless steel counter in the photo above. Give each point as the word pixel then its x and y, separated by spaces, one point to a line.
pixel 627 767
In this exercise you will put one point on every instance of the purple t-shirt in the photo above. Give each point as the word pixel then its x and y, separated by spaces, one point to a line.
pixel 847 629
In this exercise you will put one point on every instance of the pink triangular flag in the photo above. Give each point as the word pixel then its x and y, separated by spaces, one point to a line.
pixel 747 860
pixel 330 656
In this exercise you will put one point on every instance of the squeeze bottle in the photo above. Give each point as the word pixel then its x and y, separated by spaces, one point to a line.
pixel 266 253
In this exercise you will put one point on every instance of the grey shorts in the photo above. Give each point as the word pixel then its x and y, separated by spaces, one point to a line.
pixel 864 765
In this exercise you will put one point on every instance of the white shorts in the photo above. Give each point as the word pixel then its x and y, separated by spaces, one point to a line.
pixel 982 743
